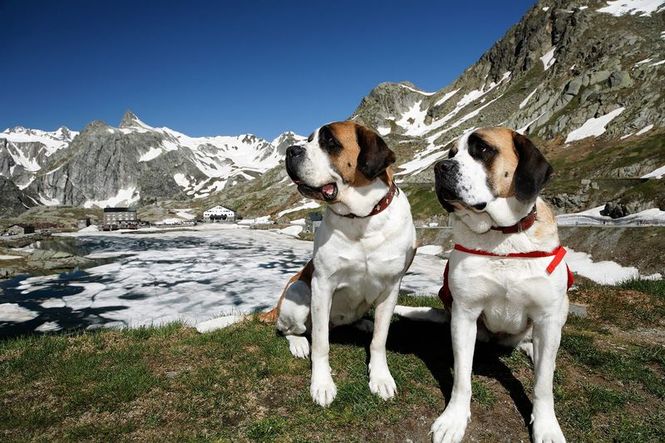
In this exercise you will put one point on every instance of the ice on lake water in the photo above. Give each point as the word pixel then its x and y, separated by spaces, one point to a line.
pixel 172 276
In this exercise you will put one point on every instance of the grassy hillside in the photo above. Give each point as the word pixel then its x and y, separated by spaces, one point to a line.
pixel 241 384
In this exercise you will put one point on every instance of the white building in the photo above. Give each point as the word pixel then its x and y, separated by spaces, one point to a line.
pixel 219 213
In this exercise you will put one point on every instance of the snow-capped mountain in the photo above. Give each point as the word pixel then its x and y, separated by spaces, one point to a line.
pixel 584 79
pixel 24 151
pixel 573 75
pixel 104 165
pixel 568 71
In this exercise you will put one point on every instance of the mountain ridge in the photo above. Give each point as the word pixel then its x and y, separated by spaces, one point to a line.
pixel 591 99
pixel 556 75
pixel 102 164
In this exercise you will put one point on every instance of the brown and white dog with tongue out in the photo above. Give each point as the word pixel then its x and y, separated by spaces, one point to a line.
pixel 362 249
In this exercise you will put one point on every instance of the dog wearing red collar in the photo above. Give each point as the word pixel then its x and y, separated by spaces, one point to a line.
pixel 362 249
pixel 504 279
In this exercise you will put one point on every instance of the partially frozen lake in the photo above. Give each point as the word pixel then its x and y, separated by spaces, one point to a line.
pixel 194 276
pixel 191 276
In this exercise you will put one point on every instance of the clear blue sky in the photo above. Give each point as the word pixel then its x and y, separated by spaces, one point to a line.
pixel 229 67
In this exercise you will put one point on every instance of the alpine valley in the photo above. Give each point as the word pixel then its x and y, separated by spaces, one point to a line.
pixel 584 80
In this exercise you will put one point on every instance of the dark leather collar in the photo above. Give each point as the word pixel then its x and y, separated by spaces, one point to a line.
pixel 521 225
pixel 381 205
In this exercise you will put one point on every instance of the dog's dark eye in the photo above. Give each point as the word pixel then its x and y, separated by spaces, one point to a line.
pixel 328 142
pixel 480 150
pixel 311 137
pixel 452 152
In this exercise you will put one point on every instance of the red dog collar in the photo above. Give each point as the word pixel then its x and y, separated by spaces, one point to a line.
pixel 520 226
pixel 381 205
pixel 446 296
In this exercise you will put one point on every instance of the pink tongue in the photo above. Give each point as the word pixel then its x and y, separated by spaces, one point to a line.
pixel 328 189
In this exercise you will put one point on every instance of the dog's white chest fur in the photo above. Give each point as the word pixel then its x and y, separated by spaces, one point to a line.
pixel 363 258
pixel 509 290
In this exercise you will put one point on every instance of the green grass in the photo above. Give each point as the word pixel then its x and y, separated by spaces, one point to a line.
pixel 423 201
pixel 653 287
pixel 241 384
pixel 630 305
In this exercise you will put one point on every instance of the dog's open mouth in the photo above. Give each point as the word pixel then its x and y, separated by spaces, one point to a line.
pixel 326 192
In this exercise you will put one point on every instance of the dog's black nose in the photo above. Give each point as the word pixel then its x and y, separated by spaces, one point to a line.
pixel 294 151
pixel 443 167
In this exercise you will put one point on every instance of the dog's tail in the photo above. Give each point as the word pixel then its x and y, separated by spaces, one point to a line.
pixel 435 315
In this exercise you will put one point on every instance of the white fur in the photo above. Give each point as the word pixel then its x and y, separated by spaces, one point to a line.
pixel 472 185
pixel 317 169
pixel 358 200
pixel 358 263
pixel 513 296
pixel 507 211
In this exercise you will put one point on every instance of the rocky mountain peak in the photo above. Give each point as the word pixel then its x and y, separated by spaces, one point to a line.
pixel 130 120
pixel 286 139
pixel 64 133
pixel 95 125
pixel 17 130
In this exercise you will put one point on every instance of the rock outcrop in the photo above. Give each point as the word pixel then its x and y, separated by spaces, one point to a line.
pixel 13 200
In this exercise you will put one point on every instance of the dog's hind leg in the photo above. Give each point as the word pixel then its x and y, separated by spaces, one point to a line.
pixel 294 318
pixel 364 325
pixel 522 342
pixel 305 275
pixel 298 345
pixel 527 348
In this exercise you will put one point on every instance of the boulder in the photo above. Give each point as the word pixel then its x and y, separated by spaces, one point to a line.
pixel 620 79
pixel 614 210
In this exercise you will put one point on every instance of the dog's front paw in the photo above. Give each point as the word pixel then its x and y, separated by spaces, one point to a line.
pixel 323 390
pixel 450 426
pixel 298 345
pixel 381 383
pixel 547 430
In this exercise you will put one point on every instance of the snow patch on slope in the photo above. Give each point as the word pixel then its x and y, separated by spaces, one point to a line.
pixel 603 272
pixel 653 216
pixel 152 154
pixel 594 126
pixel 548 59
pixel 644 8
pixel 466 100
pixel 445 98
pixel 644 130
pixel 48 201
pixel 416 90
pixel 124 197
pixel 413 120
pixel 528 97
pixel 657 173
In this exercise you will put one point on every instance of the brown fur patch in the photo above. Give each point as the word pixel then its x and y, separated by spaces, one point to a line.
pixel 545 222
pixel 346 161
pixel 502 170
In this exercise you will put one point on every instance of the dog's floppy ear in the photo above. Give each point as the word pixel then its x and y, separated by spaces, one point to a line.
pixel 532 171
pixel 375 156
